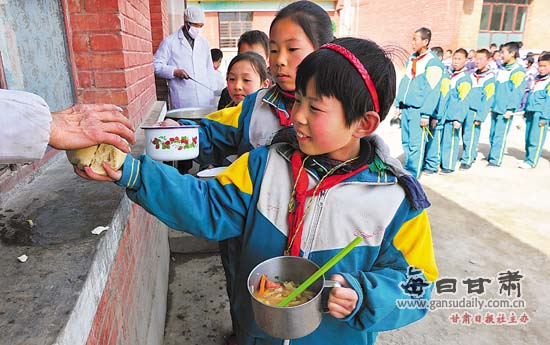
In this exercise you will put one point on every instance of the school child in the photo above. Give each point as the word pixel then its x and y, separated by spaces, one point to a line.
pixel 455 112
pixel 297 30
pixel 246 74
pixel 481 99
pixel 432 160
pixel 309 198
pixel 509 88
pixel 537 114
pixel 417 98
pixel 254 41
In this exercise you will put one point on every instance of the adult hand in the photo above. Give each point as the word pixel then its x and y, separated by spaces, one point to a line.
pixel 424 122
pixel 433 123
pixel 88 173
pixel 84 125
pixel 168 123
pixel 341 300
pixel 456 124
pixel 179 73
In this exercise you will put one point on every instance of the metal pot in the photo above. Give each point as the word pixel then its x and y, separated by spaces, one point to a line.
pixel 288 322
pixel 191 113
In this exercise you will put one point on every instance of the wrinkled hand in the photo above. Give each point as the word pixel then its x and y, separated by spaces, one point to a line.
pixel 179 73
pixel 456 124
pixel 341 300
pixel 168 123
pixel 508 114
pixel 84 125
pixel 88 173
pixel 424 122
pixel 433 123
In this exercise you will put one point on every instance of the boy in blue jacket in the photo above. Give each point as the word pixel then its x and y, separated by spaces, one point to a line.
pixel 309 197
pixel 537 114
pixel 481 99
pixel 455 111
pixel 509 88
pixel 417 98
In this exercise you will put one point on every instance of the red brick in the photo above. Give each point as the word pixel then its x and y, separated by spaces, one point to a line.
pixel 102 5
pixel 75 6
pixel 81 42
pixel 95 22
pixel 110 79
pixel 106 42
pixel 83 61
pixel 85 79
pixel 108 61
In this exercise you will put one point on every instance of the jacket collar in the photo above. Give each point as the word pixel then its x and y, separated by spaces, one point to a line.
pixel 274 97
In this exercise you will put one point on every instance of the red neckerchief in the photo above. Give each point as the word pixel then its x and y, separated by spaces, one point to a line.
pixel 539 78
pixel 301 193
pixel 479 75
pixel 284 120
pixel 414 61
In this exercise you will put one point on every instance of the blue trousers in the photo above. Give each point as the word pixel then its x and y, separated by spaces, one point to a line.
pixel 535 135
pixel 450 143
pixel 470 138
pixel 500 127
pixel 413 139
pixel 433 149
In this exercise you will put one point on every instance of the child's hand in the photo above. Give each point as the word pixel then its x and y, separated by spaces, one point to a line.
pixel 456 124
pixel 168 123
pixel 87 173
pixel 433 123
pixel 477 123
pixel 508 114
pixel 342 300
pixel 423 122
pixel 542 123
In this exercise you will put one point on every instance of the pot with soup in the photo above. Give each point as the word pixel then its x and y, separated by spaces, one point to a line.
pixel 274 279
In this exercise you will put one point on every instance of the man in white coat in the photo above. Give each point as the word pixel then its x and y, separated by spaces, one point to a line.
pixel 183 55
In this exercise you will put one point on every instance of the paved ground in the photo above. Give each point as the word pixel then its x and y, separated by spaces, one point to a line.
pixel 484 221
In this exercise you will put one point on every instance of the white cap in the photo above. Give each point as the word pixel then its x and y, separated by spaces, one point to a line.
pixel 194 15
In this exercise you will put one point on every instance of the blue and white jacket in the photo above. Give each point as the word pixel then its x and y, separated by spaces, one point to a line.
pixel 443 98
pixel 538 100
pixel 239 129
pixel 458 104
pixel 420 88
pixel 250 200
pixel 509 88
pixel 481 96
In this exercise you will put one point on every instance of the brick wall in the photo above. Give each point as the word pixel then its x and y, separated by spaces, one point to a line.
pixel 536 29
pixel 159 30
pixel 111 46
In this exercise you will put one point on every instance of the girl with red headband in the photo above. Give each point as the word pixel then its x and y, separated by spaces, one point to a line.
pixel 310 197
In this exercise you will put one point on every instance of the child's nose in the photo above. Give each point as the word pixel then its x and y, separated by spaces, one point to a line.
pixel 280 60
pixel 297 116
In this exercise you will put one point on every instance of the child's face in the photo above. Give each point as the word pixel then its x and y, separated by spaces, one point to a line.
pixel 288 46
pixel 459 60
pixel 321 126
pixel 481 61
pixel 448 55
pixel 418 44
pixel 243 80
pixel 507 56
pixel 256 48
pixel 544 67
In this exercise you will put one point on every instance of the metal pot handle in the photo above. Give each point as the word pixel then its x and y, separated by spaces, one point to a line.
pixel 330 284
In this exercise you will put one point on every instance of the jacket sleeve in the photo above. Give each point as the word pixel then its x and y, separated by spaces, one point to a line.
pixel 434 75
pixel 464 89
pixel 546 108
pixel 23 113
pixel 213 209
pixel 517 80
pixel 397 291
pixel 488 99
pixel 161 58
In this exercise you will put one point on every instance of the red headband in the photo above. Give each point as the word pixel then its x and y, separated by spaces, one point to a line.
pixel 360 68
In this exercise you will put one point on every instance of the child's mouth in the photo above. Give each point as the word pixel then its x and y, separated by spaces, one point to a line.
pixel 302 137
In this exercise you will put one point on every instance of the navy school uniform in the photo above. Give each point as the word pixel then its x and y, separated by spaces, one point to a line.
pixel 537 109
pixel 481 99
pixel 457 109
pixel 433 147
pixel 417 97
pixel 509 88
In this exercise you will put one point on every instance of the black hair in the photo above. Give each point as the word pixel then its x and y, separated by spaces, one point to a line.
pixel 495 53
pixel 426 34
pixel 545 56
pixel 493 45
pixel 255 59
pixel 312 18
pixel 438 51
pixel 461 51
pixel 513 47
pixel 254 37
pixel 484 51
pixel 335 76
pixel 530 60
pixel 449 51
pixel 216 54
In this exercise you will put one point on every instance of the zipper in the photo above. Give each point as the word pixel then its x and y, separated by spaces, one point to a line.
pixel 406 92
pixel 314 225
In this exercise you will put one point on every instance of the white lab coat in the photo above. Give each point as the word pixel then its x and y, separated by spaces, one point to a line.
pixel 174 53
pixel 25 121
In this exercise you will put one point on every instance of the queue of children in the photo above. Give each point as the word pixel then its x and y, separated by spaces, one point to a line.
pixel 334 95
pixel 465 100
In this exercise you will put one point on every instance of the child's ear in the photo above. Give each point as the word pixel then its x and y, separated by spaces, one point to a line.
pixel 368 123
pixel 266 83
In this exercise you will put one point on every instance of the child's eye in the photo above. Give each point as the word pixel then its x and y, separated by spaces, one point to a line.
pixel 247 80
pixel 273 51
pixel 293 49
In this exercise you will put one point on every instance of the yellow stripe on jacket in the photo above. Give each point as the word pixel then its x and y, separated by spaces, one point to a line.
pixel 414 241
pixel 238 175
pixel 227 116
